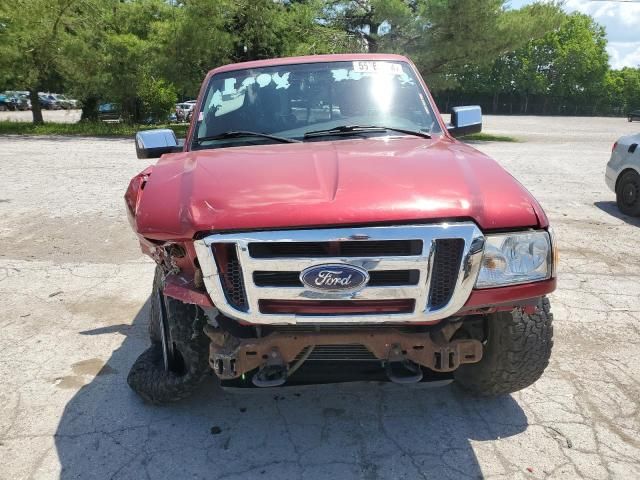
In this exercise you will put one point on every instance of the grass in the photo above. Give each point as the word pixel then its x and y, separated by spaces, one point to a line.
pixel 489 137
pixel 89 129
pixel 103 129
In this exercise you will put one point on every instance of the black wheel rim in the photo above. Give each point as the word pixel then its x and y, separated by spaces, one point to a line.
pixel 630 193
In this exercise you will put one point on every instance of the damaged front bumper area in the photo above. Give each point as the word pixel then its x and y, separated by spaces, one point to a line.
pixel 275 357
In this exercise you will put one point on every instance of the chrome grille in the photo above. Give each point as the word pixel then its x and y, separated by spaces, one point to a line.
pixel 349 248
pixel 429 268
pixel 231 276
pixel 446 265
pixel 377 278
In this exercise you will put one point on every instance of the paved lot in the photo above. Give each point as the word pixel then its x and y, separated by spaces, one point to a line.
pixel 73 306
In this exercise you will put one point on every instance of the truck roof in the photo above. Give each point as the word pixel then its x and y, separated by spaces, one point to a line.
pixel 336 57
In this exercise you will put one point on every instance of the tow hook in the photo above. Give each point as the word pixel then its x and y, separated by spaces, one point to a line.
pixel 400 369
pixel 272 373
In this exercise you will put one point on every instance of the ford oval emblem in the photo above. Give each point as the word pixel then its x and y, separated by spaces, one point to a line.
pixel 334 277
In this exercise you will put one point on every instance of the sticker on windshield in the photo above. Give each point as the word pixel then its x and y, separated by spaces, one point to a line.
pixel 377 67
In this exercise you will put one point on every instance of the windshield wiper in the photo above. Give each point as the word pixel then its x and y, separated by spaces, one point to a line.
pixel 244 133
pixel 355 129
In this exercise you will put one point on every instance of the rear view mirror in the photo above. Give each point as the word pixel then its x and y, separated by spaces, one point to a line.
pixel 154 143
pixel 465 121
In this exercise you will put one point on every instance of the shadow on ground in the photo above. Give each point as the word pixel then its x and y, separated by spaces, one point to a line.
pixel 612 209
pixel 362 430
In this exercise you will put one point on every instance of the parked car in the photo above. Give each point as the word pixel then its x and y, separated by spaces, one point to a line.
pixel 63 101
pixel 5 103
pixel 355 238
pixel 109 112
pixel 23 101
pixel 183 110
pixel 47 102
pixel 635 115
pixel 18 100
pixel 623 174
pixel 190 112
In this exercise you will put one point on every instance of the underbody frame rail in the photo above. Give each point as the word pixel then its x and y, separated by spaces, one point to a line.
pixel 231 357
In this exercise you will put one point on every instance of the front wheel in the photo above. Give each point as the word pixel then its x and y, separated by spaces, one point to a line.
pixel 628 193
pixel 178 359
pixel 516 352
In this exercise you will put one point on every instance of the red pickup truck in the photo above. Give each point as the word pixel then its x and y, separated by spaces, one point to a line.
pixel 321 223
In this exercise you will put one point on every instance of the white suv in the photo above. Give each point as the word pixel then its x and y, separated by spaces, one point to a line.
pixel 623 174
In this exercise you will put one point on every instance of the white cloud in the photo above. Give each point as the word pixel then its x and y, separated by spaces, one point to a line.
pixel 624 54
pixel 621 21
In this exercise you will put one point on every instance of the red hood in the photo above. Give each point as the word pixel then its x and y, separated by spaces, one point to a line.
pixel 330 183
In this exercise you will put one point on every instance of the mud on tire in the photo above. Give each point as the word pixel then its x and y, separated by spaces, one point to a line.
pixel 148 376
pixel 516 353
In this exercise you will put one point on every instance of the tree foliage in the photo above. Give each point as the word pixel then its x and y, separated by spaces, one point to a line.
pixel 146 54
pixel 564 71
pixel 32 38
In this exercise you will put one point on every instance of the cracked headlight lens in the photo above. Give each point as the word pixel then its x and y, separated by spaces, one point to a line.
pixel 513 258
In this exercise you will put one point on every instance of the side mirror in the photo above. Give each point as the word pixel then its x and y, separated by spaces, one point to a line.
pixel 465 121
pixel 154 143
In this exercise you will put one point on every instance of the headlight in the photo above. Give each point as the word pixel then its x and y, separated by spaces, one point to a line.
pixel 513 258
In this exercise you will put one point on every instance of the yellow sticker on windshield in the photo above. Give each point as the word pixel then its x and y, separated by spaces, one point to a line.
pixel 363 66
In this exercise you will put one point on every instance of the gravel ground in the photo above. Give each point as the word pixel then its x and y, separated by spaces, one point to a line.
pixel 73 297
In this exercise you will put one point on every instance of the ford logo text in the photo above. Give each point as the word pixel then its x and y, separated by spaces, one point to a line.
pixel 334 278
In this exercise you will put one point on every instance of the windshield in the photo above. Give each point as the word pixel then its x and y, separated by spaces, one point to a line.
pixel 291 100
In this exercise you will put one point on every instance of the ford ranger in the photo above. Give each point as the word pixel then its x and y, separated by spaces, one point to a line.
pixel 321 223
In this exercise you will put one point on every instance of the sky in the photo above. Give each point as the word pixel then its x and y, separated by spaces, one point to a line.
pixel 622 22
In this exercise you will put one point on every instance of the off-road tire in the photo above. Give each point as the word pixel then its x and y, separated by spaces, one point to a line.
pixel 148 377
pixel 154 312
pixel 516 352
pixel 629 180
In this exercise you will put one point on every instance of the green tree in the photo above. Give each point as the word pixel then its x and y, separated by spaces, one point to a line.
pixel 157 97
pixel 32 38
pixel 580 60
pixel 370 21
pixel 193 40
pixel 441 36
pixel 141 53
pixel 200 35
pixel 631 88
pixel 476 32
pixel 614 91
pixel 568 64
pixel 115 61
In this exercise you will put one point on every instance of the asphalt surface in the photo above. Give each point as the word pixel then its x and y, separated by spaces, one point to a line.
pixel 74 301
